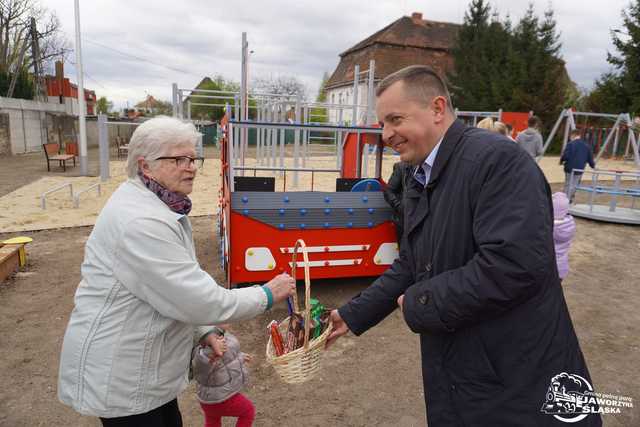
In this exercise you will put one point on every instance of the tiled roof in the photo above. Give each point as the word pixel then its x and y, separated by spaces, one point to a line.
pixel 406 41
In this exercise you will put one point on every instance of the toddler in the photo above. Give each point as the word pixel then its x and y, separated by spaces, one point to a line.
pixel 564 229
pixel 219 380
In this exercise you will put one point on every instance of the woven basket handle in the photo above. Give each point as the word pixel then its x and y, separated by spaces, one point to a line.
pixel 307 288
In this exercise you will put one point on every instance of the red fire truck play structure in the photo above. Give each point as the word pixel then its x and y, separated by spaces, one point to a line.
pixel 348 231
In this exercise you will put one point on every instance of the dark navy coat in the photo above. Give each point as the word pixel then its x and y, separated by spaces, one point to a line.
pixel 576 155
pixel 478 271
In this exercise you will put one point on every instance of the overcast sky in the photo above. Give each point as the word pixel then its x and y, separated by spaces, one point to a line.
pixel 138 47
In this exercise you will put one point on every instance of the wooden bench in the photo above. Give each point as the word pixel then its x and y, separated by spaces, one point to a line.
pixel 52 153
pixel 9 261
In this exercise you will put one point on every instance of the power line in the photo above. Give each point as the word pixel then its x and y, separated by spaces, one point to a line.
pixel 87 74
pixel 139 58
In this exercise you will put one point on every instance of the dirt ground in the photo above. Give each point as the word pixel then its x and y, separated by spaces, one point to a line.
pixel 370 380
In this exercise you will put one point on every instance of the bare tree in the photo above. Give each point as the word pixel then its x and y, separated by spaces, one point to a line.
pixel 16 38
pixel 281 85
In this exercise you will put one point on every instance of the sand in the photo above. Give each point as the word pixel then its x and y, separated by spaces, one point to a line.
pixel 21 210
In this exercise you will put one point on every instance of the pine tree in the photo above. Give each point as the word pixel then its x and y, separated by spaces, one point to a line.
pixel 628 62
pixel 469 85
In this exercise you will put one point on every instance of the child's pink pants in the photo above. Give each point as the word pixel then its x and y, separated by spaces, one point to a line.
pixel 235 406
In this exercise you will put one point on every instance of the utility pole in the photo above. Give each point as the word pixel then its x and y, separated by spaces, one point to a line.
pixel 84 170
pixel 40 92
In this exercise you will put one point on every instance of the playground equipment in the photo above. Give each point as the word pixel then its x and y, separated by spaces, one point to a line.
pixel 74 197
pixel 621 123
pixel 13 255
pixel 43 196
pixel 626 184
pixel 473 117
pixel 349 233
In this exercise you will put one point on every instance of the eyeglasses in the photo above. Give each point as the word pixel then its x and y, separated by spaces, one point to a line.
pixel 185 161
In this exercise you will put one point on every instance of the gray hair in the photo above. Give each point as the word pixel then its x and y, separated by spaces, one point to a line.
pixel 154 138
pixel 422 84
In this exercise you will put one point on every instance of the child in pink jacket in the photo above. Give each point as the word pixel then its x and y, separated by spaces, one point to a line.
pixel 564 229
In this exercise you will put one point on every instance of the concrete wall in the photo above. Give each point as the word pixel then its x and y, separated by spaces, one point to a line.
pixel 27 123
pixel 5 136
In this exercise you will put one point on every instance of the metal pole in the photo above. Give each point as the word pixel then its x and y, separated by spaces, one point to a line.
pixel 609 137
pixel 616 141
pixel 274 136
pixel 296 143
pixel 570 124
pixel 180 105
pixel 305 137
pixel 84 167
pixel 371 93
pixel 174 98
pixel 339 137
pixel 282 137
pixel 634 142
pixel 356 80
pixel 553 132
pixel 243 90
pixel 103 146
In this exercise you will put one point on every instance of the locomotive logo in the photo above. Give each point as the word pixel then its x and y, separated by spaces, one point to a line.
pixel 570 398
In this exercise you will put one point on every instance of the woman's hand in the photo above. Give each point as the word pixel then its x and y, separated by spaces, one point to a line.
pixel 282 286
pixel 247 357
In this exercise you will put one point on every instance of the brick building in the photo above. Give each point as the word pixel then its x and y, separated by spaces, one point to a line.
pixel 406 41
pixel 60 90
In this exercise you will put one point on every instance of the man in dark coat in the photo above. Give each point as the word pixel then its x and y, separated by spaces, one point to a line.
pixel 476 276
pixel 393 195
pixel 575 157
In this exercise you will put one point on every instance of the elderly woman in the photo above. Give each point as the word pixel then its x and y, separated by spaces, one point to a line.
pixel 127 347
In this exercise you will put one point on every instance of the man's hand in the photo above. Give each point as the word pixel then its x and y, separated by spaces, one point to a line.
pixel 282 286
pixel 339 328
pixel 400 302
pixel 247 357
pixel 217 343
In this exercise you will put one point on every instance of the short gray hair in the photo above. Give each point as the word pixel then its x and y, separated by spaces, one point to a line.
pixel 422 84
pixel 154 138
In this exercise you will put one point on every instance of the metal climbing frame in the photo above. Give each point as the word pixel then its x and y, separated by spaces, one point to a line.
pixel 568 115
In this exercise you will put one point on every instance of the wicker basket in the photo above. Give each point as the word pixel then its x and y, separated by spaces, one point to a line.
pixel 303 363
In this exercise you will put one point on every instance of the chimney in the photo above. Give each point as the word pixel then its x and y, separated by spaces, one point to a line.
pixel 59 71
pixel 60 79
pixel 416 17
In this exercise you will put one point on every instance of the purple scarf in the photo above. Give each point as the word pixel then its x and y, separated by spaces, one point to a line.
pixel 178 203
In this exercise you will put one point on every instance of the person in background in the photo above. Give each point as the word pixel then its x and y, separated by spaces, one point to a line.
pixel 530 139
pixel 564 230
pixel 220 373
pixel 486 123
pixel 393 194
pixel 510 131
pixel 575 157
pixel 500 128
